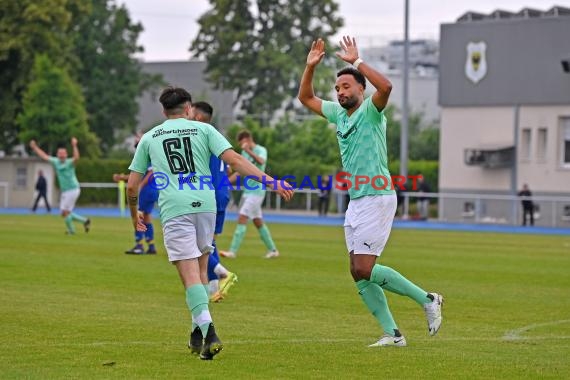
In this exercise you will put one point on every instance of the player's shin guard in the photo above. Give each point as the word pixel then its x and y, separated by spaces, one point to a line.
pixel 238 237
pixel 393 281
pixel 197 301
pixel 139 236
pixel 375 299
pixel 266 237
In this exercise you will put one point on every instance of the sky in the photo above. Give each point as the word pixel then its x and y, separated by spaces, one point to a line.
pixel 170 25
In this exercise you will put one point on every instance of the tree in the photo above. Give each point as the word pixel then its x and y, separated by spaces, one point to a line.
pixel 53 110
pixel 111 78
pixel 29 27
pixel 258 48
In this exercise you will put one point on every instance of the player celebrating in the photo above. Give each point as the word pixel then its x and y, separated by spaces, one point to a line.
pixel 68 183
pixel 361 134
pixel 253 196
pixel 180 150
pixel 220 279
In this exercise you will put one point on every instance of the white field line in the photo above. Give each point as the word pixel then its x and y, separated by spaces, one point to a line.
pixel 516 333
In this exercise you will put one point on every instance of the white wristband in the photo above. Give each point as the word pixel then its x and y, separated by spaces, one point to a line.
pixel 356 63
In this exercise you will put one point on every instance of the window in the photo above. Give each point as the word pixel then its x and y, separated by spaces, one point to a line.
pixel 566 141
pixel 525 144
pixel 21 178
pixel 541 144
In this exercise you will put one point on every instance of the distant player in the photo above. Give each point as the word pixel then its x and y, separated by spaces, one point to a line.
pixel 148 196
pixel 180 151
pixel 221 280
pixel 68 183
pixel 361 135
pixel 252 199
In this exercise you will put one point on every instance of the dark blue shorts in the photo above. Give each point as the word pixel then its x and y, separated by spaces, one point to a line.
pixel 220 217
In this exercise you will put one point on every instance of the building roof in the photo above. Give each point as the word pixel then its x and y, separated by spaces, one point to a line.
pixel 500 14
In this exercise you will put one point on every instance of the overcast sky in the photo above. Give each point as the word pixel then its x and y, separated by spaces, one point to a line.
pixel 170 25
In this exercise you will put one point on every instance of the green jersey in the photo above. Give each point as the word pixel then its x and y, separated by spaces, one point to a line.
pixel 65 172
pixel 362 141
pixel 254 187
pixel 180 150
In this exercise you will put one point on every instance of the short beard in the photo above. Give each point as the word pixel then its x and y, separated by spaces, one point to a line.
pixel 350 103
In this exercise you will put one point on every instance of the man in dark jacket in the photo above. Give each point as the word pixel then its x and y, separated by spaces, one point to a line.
pixel 41 187
pixel 528 207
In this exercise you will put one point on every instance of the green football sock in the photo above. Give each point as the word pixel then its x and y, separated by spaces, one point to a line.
pixel 78 217
pixel 197 301
pixel 69 224
pixel 266 237
pixel 375 299
pixel 393 281
pixel 238 237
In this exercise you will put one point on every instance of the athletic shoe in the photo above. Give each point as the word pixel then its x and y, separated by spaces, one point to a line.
pixel 196 341
pixel 151 250
pixel 228 254
pixel 212 344
pixel 216 297
pixel 136 250
pixel 433 313
pixel 227 282
pixel 69 233
pixel 87 225
pixel 272 254
pixel 388 340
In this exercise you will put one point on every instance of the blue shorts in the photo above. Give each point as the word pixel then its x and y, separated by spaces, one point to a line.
pixel 220 218
pixel 148 198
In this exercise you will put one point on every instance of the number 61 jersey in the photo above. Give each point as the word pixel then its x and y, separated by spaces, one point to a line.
pixel 180 150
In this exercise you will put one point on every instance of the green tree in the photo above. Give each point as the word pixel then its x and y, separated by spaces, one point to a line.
pixel 29 27
pixel 54 111
pixel 110 76
pixel 258 48
pixel 423 140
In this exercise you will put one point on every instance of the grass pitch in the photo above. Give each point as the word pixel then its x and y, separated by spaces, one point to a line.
pixel 77 307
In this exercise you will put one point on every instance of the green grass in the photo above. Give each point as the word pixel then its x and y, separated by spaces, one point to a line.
pixel 73 305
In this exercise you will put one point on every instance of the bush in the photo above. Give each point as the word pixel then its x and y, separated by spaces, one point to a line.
pixel 99 170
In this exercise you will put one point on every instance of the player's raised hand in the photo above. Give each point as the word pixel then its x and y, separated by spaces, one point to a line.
pixel 33 144
pixel 349 51
pixel 317 52
pixel 73 141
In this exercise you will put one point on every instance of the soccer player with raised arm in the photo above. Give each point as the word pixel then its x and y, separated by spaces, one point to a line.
pixel 180 150
pixel 68 183
pixel 252 199
pixel 361 135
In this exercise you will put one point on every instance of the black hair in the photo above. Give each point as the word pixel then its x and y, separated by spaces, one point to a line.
pixel 355 73
pixel 204 107
pixel 243 134
pixel 174 98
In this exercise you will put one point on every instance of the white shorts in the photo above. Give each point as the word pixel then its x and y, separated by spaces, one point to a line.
pixel 368 222
pixel 189 236
pixel 251 206
pixel 68 198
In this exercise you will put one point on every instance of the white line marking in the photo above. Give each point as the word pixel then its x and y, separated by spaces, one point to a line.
pixel 516 333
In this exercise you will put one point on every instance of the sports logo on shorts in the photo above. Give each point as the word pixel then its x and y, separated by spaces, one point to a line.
pixel 476 64
pixel 196 204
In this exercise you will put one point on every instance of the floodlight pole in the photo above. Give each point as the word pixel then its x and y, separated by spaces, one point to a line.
pixel 405 69
pixel 404 123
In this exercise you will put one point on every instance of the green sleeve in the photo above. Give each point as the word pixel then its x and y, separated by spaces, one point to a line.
pixel 217 142
pixel 141 160
pixel 330 110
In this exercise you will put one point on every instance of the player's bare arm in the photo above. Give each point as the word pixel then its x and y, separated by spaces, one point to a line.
pixel 306 93
pixel 133 200
pixel 246 168
pixel 41 154
pixel 382 85
pixel 75 150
